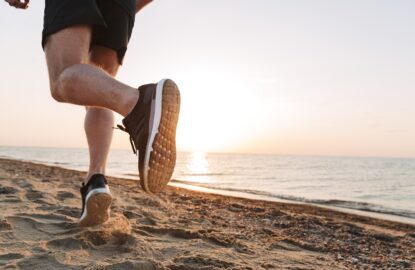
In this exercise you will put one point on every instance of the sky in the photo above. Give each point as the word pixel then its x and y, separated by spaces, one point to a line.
pixel 311 77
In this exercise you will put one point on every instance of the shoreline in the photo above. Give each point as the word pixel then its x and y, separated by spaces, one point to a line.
pixel 182 229
pixel 241 194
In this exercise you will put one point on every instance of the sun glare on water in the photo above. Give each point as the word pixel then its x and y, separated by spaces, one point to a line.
pixel 197 163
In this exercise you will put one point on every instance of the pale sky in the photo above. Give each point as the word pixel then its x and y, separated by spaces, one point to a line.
pixel 286 77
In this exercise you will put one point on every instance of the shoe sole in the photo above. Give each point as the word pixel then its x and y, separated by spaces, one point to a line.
pixel 97 208
pixel 160 157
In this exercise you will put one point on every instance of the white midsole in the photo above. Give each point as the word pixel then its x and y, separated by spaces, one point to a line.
pixel 104 190
pixel 154 126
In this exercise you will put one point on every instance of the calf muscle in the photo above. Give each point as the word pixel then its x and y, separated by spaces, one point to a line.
pixel 74 80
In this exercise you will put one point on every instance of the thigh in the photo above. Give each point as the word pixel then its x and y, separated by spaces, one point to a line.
pixel 67 47
pixel 61 14
pixel 119 19
pixel 105 58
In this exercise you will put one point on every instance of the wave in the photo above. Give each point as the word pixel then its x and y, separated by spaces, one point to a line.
pixel 185 174
pixel 355 205
pixel 131 174
pixel 203 174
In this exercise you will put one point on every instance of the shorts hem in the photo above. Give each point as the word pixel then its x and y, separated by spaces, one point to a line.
pixel 53 30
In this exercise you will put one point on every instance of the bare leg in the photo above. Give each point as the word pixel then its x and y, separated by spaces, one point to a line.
pixel 99 121
pixel 73 80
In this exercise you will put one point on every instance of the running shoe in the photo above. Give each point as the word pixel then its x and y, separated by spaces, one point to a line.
pixel 152 128
pixel 96 201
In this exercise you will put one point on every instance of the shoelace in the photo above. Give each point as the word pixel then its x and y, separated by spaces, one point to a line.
pixel 122 128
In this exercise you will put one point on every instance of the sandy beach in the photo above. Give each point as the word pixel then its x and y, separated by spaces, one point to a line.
pixel 182 229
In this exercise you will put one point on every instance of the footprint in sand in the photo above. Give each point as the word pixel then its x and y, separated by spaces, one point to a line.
pixel 23 183
pixel 73 212
pixel 60 240
pixel 7 190
pixel 44 262
pixel 197 261
pixel 62 195
pixel 34 227
pixel 9 257
pixel 68 244
pixel 116 231
pixel 9 195
pixel 128 265
pixel 39 197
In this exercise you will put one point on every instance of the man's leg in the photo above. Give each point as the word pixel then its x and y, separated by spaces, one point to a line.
pixel 73 80
pixel 151 121
pixel 99 121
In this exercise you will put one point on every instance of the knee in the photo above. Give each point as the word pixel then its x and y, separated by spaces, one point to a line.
pixel 56 95
pixel 60 88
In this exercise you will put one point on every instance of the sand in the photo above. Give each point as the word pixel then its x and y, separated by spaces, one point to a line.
pixel 182 229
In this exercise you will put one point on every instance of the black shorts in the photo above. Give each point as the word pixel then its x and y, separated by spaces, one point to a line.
pixel 112 21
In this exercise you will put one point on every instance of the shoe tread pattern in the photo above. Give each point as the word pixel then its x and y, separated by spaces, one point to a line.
pixel 97 210
pixel 163 155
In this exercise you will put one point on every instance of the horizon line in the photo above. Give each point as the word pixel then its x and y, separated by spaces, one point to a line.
pixel 234 152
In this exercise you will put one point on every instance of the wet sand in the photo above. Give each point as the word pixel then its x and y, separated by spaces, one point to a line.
pixel 182 229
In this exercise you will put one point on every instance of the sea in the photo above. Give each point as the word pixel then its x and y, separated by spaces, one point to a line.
pixel 379 187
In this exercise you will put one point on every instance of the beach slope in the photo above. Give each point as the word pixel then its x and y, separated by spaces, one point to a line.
pixel 182 229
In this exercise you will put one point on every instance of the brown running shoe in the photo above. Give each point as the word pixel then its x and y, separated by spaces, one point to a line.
pixel 152 129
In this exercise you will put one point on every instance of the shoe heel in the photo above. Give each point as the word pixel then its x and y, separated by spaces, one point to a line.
pixel 97 208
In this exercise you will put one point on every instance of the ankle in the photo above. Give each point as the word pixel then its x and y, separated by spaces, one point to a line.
pixel 93 172
pixel 130 102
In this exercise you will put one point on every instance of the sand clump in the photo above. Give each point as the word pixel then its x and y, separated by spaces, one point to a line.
pixel 180 229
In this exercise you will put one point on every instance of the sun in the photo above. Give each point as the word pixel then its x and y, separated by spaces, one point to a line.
pixel 207 119
pixel 223 112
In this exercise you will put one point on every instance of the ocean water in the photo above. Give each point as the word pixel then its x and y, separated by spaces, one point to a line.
pixel 380 185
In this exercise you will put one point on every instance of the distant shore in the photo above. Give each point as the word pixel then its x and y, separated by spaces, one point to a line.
pixel 182 229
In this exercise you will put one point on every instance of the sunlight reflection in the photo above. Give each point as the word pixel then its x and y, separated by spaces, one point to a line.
pixel 198 167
